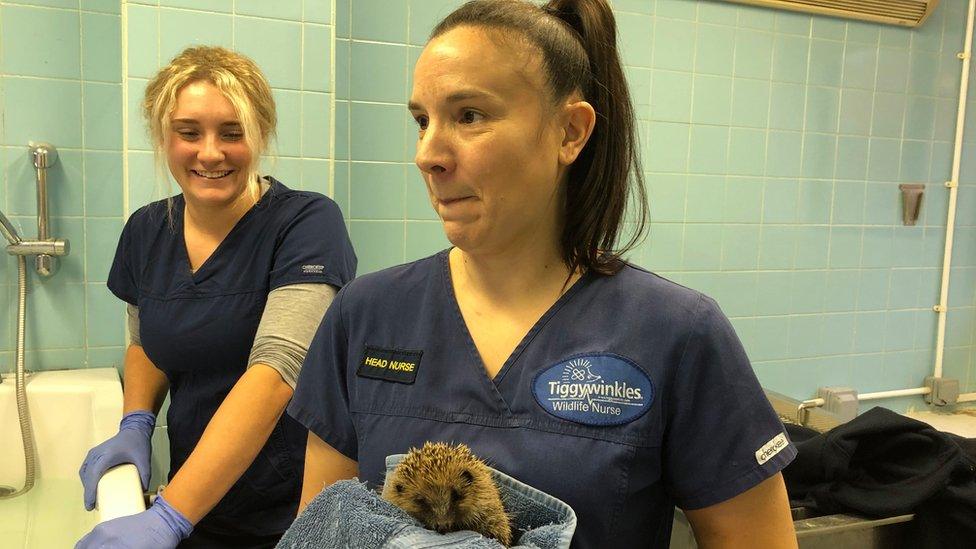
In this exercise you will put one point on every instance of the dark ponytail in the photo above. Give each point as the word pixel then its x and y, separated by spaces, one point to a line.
pixel 578 43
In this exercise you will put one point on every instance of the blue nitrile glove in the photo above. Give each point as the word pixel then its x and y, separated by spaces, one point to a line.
pixel 132 444
pixel 159 527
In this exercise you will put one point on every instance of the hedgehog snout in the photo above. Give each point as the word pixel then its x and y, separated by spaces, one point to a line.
pixel 441 513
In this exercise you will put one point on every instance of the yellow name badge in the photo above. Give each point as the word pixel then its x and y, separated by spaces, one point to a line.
pixel 397 365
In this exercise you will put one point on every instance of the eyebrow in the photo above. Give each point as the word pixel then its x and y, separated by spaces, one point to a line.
pixel 194 121
pixel 456 97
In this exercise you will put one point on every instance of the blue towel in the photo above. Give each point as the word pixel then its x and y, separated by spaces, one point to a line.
pixel 350 515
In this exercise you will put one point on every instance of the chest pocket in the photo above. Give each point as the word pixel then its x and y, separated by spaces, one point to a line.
pixel 603 397
pixel 205 335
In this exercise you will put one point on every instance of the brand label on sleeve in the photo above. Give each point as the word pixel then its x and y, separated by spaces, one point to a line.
pixel 771 448
pixel 397 365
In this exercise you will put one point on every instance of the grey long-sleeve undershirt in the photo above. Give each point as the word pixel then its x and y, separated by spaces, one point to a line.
pixel 290 318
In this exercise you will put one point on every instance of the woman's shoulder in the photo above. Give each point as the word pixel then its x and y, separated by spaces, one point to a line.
pixel 647 284
pixel 153 215
pixel 292 201
pixel 638 293
pixel 398 285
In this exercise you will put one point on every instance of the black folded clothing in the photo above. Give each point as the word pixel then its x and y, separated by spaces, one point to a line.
pixel 883 464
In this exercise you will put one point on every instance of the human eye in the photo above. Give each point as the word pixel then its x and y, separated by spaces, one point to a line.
pixel 422 121
pixel 187 134
pixel 231 132
pixel 470 116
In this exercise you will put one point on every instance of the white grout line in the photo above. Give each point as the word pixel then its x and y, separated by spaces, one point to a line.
pixel 125 110
pixel 332 97
pixel 84 185
pixel 406 180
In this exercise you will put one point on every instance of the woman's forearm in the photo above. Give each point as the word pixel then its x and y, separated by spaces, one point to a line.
pixel 324 465
pixel 144 385
pixel 233 438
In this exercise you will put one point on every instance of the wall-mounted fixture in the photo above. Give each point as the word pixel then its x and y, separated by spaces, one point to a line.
pixel 45 249
pixel 911 202
pixel 905 13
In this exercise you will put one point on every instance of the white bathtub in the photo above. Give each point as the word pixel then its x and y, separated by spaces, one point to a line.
pixel 70 411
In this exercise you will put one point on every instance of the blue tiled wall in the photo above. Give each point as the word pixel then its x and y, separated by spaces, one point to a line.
pixel 773 144
pixel 382 194
pixel 61 82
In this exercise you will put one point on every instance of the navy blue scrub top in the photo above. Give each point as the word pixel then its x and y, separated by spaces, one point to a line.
pixel 631 395
pixel 198 328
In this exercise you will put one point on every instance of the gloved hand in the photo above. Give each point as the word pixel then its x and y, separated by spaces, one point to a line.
pixel 132 444
pixel 159 527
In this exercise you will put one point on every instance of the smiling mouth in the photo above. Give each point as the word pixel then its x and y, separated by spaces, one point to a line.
pixel 211 175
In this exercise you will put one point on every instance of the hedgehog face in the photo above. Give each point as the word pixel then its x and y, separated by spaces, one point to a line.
pixel 440 500
pixel 439 485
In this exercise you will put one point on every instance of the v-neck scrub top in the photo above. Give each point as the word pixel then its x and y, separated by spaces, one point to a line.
pixel 631 395
pixel 198 328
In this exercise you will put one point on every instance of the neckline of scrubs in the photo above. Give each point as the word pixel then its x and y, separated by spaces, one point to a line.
pixel 512 359
pixel 195 276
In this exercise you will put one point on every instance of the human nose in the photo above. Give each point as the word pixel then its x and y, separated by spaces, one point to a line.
pixel 210 150
pixel 434 151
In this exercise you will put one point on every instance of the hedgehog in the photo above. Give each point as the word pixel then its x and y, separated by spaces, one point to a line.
pixel 447 488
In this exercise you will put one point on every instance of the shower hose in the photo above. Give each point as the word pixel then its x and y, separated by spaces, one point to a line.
pixel 22 411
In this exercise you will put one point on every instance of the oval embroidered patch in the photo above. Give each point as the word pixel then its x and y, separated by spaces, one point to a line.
pixel 598 389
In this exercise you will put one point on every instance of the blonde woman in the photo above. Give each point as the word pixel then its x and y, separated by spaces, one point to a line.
pixel 225 284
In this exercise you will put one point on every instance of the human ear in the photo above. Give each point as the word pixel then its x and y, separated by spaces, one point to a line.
pixel 579 119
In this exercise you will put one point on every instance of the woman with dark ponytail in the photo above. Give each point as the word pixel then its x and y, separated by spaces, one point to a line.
pixel 532 340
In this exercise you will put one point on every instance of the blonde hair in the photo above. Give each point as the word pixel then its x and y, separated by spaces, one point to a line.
pixel 241 82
